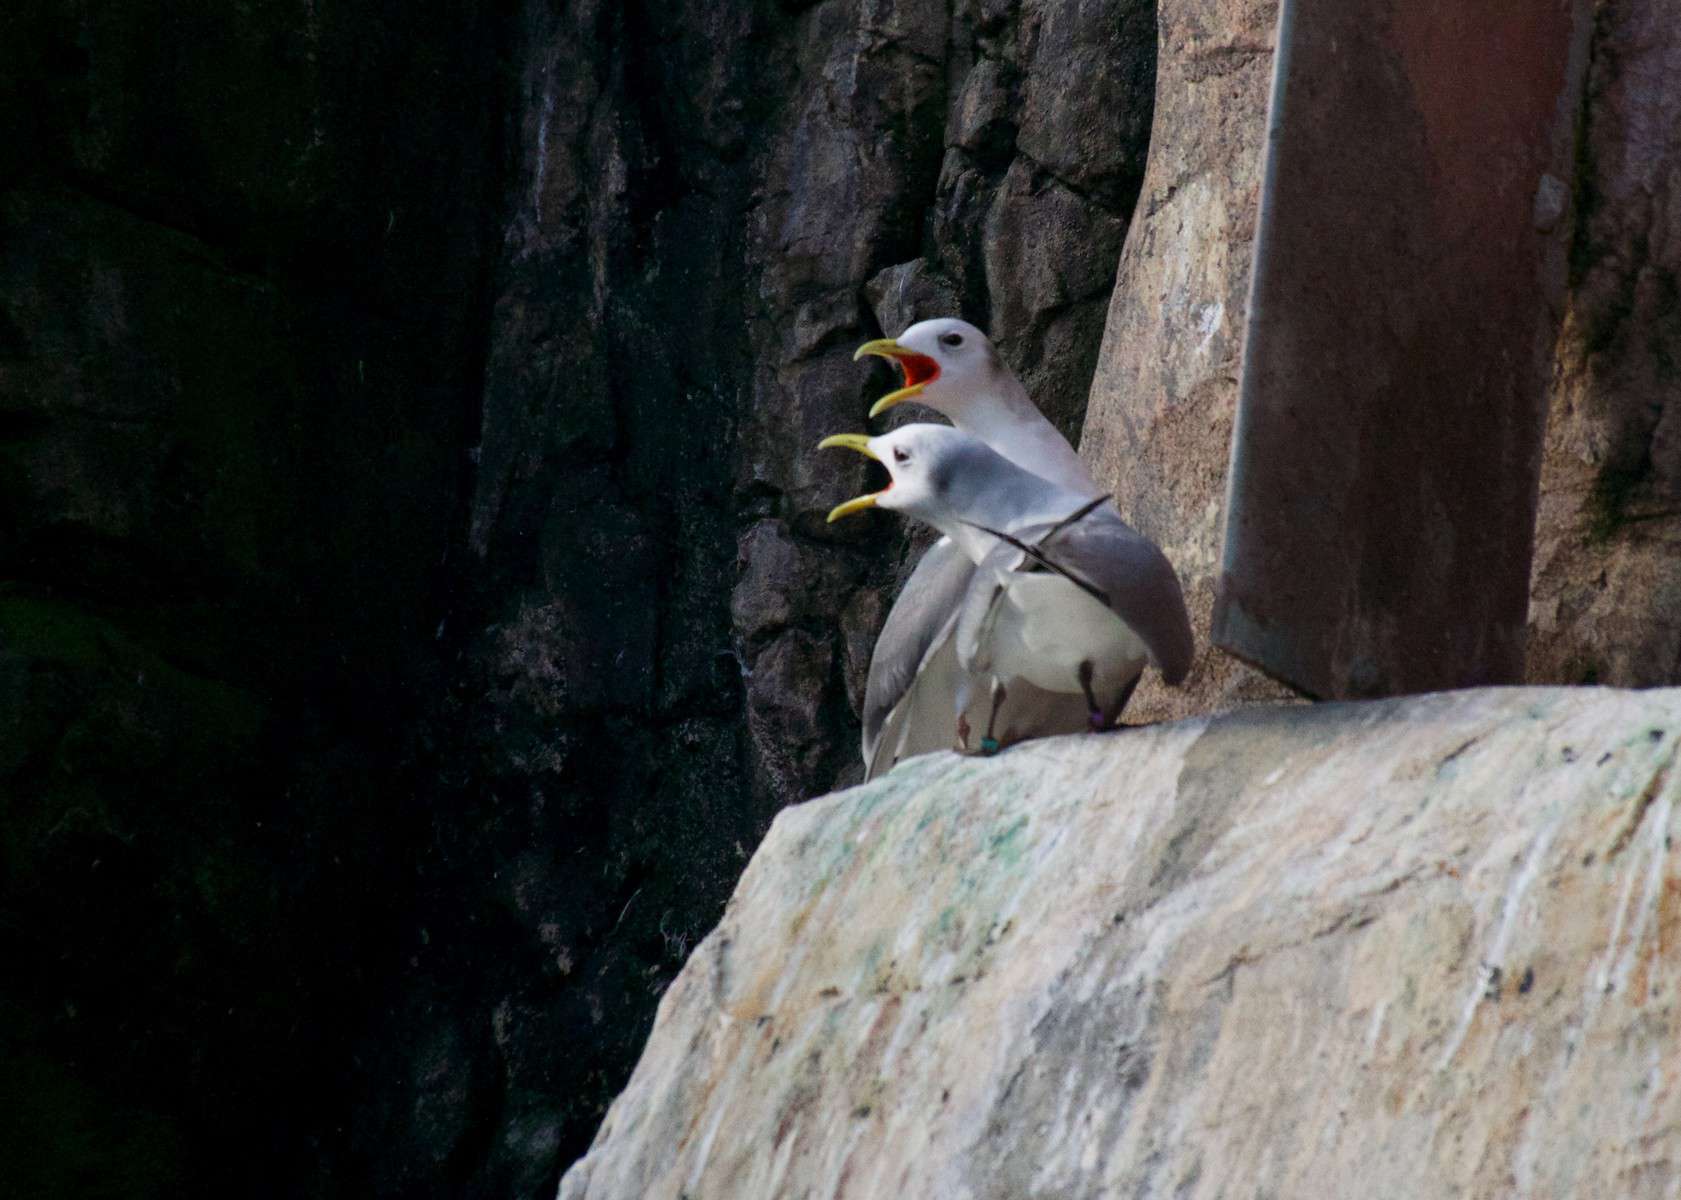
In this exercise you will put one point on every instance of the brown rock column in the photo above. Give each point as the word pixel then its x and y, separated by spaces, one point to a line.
pixel 1409 259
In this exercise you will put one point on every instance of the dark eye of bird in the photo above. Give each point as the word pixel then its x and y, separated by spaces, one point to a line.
pixel 951 339
pixel 899 456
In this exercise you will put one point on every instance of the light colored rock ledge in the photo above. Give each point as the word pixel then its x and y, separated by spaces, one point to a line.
pixel 1417 948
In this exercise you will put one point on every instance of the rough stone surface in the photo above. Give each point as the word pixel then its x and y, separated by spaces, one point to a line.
pixel 979 159
pixel 1413 947
pixel 1606 599
pixel 1158 428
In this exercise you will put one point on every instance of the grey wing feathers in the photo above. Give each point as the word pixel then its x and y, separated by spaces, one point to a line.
pixel 924 719
pixel 978 613
pixel 917 623
pixel 1136 579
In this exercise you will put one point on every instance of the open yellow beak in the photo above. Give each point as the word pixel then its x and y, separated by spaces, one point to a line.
pixel 860 443
pixel 919 369
pixel 881 348
pixel 856 504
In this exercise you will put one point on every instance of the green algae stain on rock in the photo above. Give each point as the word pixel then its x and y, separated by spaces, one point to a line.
pixel 1007 844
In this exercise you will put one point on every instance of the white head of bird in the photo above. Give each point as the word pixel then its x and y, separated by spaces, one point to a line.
pixel 951 367
pixel 954 482
pixel 946 364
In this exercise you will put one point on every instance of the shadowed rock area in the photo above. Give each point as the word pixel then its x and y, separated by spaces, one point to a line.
pixel 414 597
pixel 666 643
pixel 1414 947
pixel 244 259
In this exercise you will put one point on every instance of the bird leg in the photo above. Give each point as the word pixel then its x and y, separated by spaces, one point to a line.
pixel 960 700
pixel 1121 704
pixel 1094 710
pixel 989 744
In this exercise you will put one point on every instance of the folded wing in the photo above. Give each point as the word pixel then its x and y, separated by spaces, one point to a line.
pixel 1126 570
pixel 907 660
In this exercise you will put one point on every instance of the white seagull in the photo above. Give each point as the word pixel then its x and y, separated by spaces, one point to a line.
pixel 1063 599
pixel 951 367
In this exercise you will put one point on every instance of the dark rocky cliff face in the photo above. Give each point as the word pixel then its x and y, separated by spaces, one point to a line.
pixel 244 262
pixel 414 597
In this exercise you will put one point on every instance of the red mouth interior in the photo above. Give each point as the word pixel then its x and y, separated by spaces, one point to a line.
pixel 918 369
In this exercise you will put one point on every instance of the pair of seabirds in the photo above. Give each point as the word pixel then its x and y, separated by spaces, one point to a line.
pixel 1036 612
